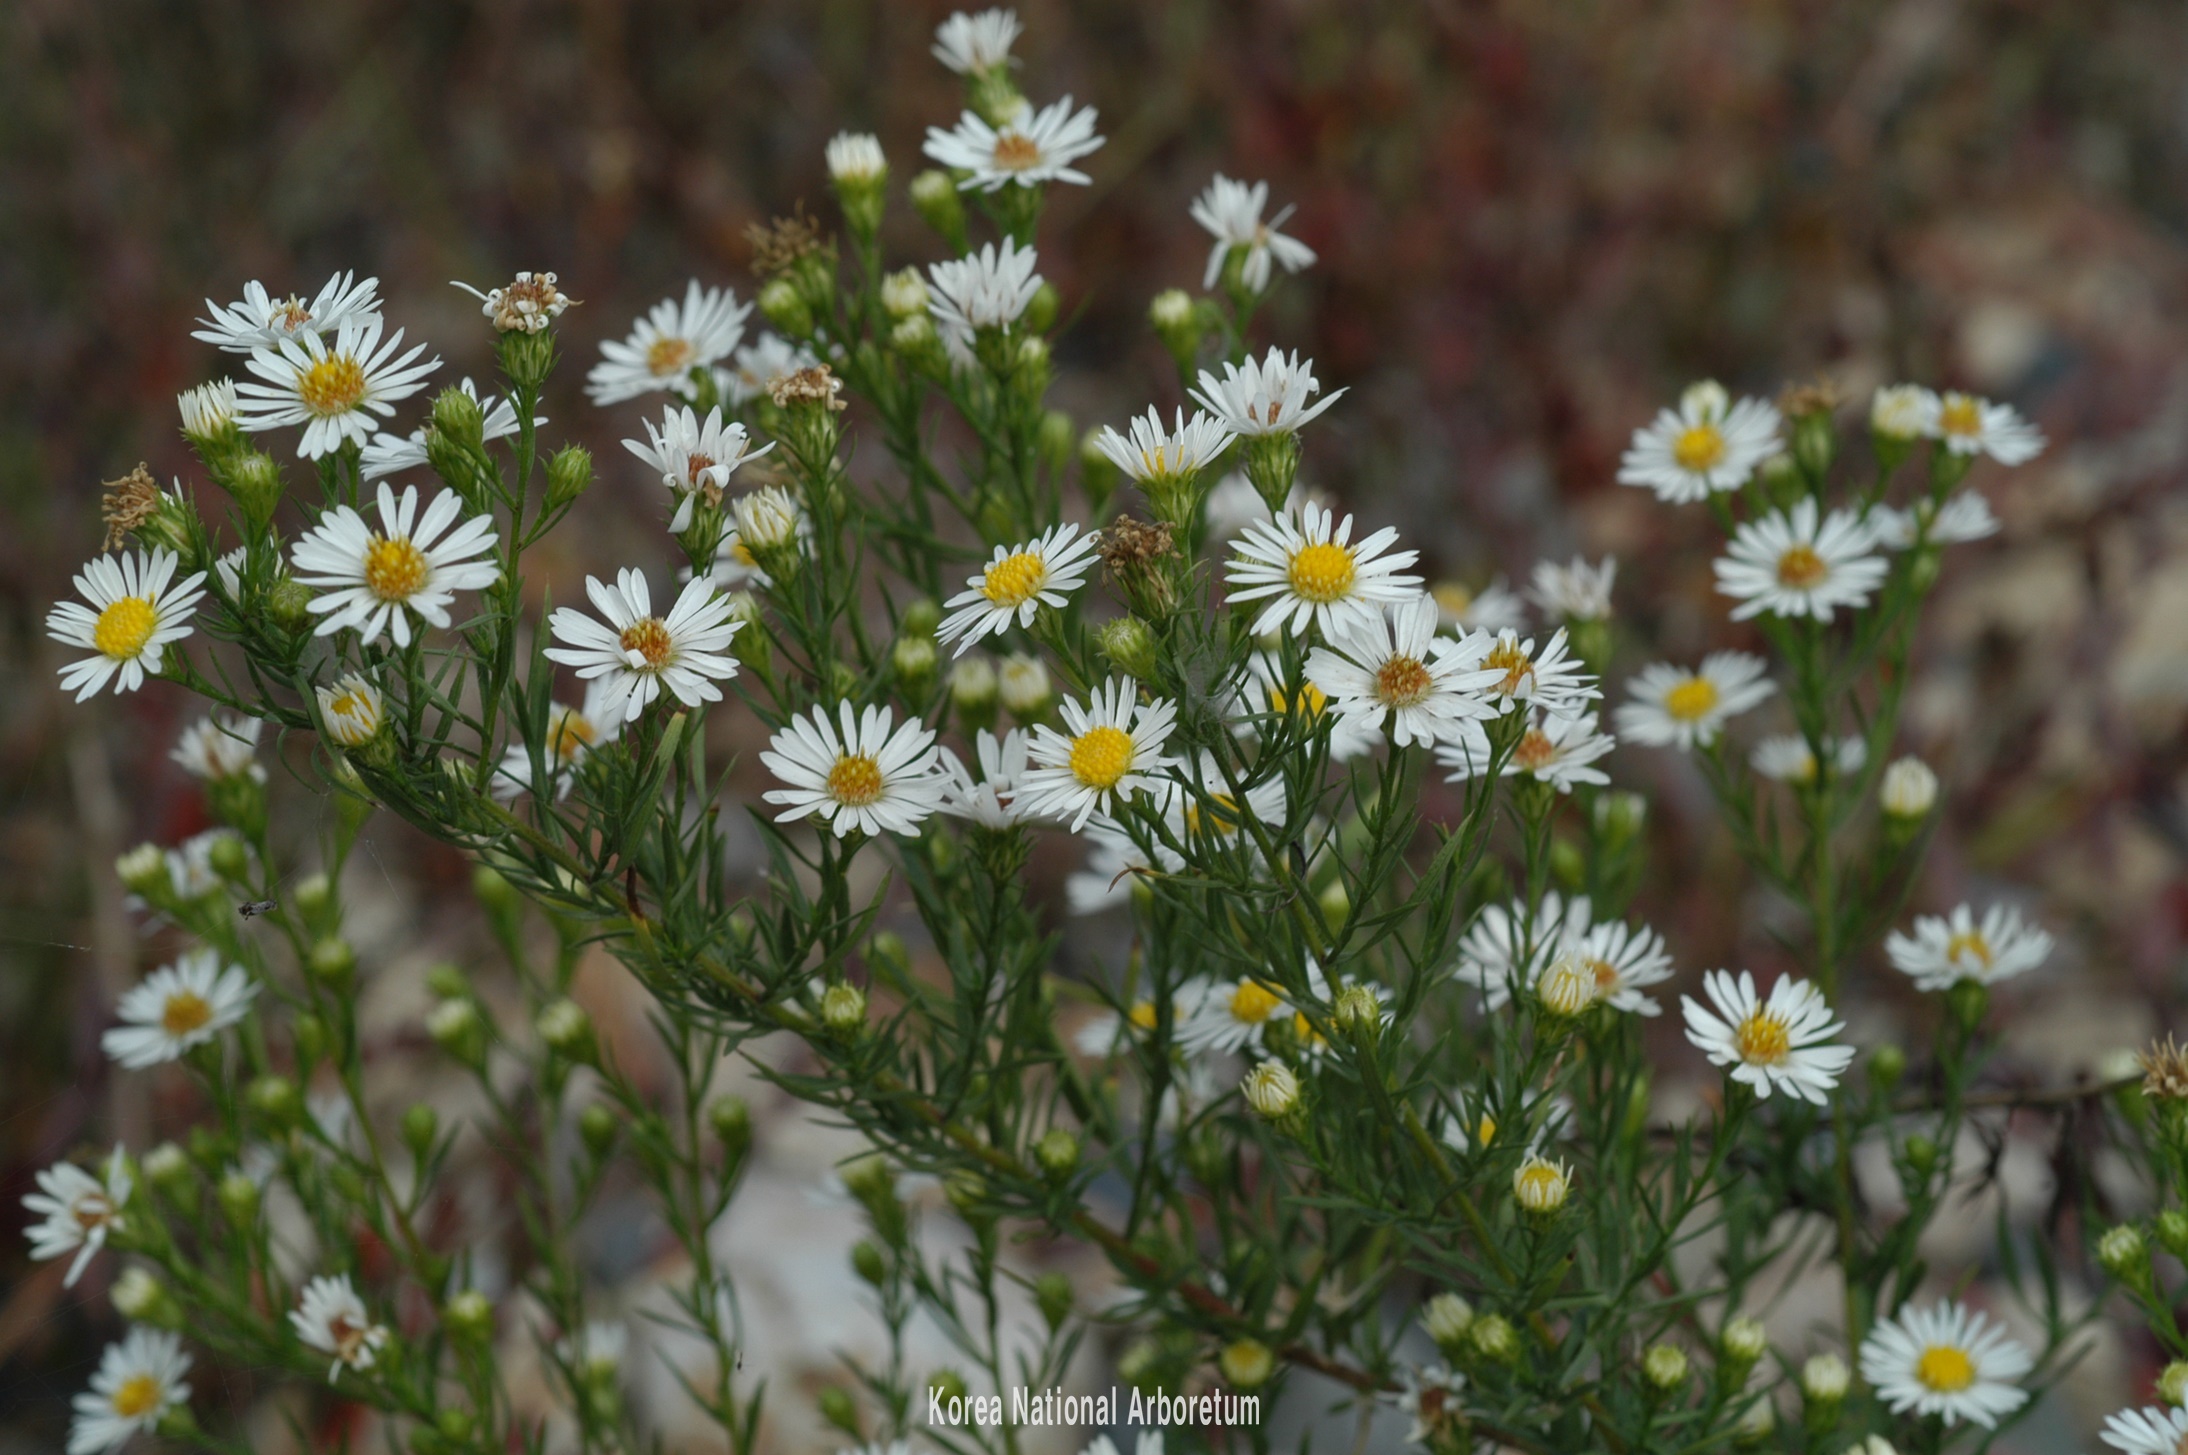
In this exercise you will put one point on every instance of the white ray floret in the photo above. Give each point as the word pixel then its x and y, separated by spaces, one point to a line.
pixel 1029 150
pixel 572 732
pixel 1782 1043
pixel 261 321
pixel 1230 212
pixel 1393 669
pixel 1966 425
pixel 1223 818
pixel 1555 750
pixel 667 344
pixel 989 800
pixel 1946 1360
pixel 138 1382
pixel 695 458
pixel 1017 583
pixel 968 43
pixel 1668 706
pixel 1575 591
pixel 332 1319
pixel 1264 397
pixel 866 779
pixel 1506 949
pixel 339 391
pixel 1707 445
pixel 137 608
pixel 639 654
pixel 986 289
pixel 1786 757
pixel 2151 1430
pixel 1152 455
pixel 1307 569
pixel 221 745
pixel 76 1210
pixel 375 580
pixel 1113 860
pixel 1945 949
pixel 1552 680
pixel 1966 517
pixel 388 453
pixel 1625 960
pixel 1800 563
pixel 1494 608
pixel 1111 750
pixel 1903 412
pixel 177 1007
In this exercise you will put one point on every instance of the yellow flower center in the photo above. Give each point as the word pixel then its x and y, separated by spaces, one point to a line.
pixel 1699 447
pixel 1252 1002
pixel 695 466
pixel 1485 1131
pixel 1535 751
pixel 92 1210
pixel 1960 416
pixel 1802 569
pixel 1516 665
pixel 1015 580
pixel 666 356
pixel 1303 1030
pixel 332 385
pixel 1321 573
pixel 1972 944
pixel 1402 682
pixel 1015 151
pixel 1763 1040
pixel 395 570
pixel 649 638
pixel 1142 1015
pixel 124 627
pixel 137 1396
pixel 1452 599
pixel 1606 976
pixel 855 781
pixel 1541 1185
pixel 349 704
pixel 1945 1369
pixel 292 315
pixel 569 735
pixel 1312 700
pixel 1692 699
pixel 184 1012
pixel 1100 756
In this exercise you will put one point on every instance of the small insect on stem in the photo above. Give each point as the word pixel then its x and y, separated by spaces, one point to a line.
pixel 255 908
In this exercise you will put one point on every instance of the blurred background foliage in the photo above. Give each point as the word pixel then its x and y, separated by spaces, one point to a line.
pixel 1536 222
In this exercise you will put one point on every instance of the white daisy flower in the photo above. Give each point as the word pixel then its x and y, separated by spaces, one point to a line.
pixel 694 458
pixel 755 367
pixel 1945 949
pixel 1782 1044
pixel 1551 681
pixel 1017 584
pixel 1707 444
pixel 2151 1430
pixel 387 453
pixel 1265 691
pixel 987 289
pixel 667 344
pixel 221 745
pixel 1153 456
pixel 1946 1360
pixel 1232 504
pixel 190 864
pixel 1113 747
pixel 137 608
pixel 1392 667
pixel 572 732
pixel 1575 591
pixel 1268 397
pixel 139 1380
pixel 1101 1033
pixel 990 799
pixel 971 43
pixel 638 653
pixel 352 709
pixel 734 567
pixel 1786 758
pixel 1230 212
pixel 1430 1396
pixel 866 780
pixel 1031 149
pixel 331 1318
pixel 1903 412
pixel 1182 808
pixel 207 410
pixel 1504 949
pixel 76 1211
pixel 1624 959
pixel 1494 608
pixel 1971 426
pixel 1679 707
pixel 1553 750
pixel 376 580
pixel 177 1007
pixel 855 157
pixel 1112 861
pixel 1307 570
pixel 261 321
pixel 1793 563
pixel 1966 517
pixel 1231 1017
pixel 337 391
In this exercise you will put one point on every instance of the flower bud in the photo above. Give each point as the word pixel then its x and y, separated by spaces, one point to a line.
pixel 1619 816
pixel 1334 901
pixel 1177 323
pixel 143 870
pixel 731 1120
pixel 238 1197
pixel 2173 1383
pixel 1056 439
pixel 843 1010
pixel 332 962
pixel 967 1191
pixel 421 1125
pixel 920 618
pixel 1908 789
pixel 972 692
pixel 493 891
pixel 1493 1340
pixel 1664 1366
pixel 934 197
pixel 457 1028
pixel 1041 310
pixel 1743 1342
pixel 947 1385
pixel 1540 1186
pixel 1022 685
pixel 1357 1009
pixel 1058 1153
pixel 168 1168
pixel 2173 1232
pixel 275 1098
pixel 469 1317
pixel 1825 1379
pixel 569 474
pixel 1756 1425
pixel 1887 1063
pixel 566 1030
pixel 255 482
pixel 1129 646
pixel 229 856
pixel 1447 1317
pixel 915 340
pixel 886 948
pixel 913 659
pixel 598 1126
pixel 1272 1090
pixel 139 1296
pixel 904 294
pixel 838 1408
pixel 785 307
pixel 860 172
pixel 2124 1253
pixel 1567 988
pixel 456 414
pixel 1921 1154
pixel 1246 1363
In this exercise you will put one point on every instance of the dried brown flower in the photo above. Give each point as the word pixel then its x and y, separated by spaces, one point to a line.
pixel 128 504
pixel 815 385
pixel 778 244
pixel 527 304
pixel 1130 545
pixel 1818 396
pixel 2164 1071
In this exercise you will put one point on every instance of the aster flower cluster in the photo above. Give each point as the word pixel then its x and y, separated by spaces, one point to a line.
pixel 1352 995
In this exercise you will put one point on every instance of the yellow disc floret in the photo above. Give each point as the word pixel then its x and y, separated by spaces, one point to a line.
pixel 1699 448
pixel 331 385
pixel 1802 569
pixel 1252 1002
pixel 1692 699
pixel 1945 1369
pixel 649 638
pixel 1763 1040
pixel 1321 573
pixel 395 570
pixel 1015 580
pixel 124 628
pixel 136 1396
pixel 1101 756
pixel 855 781
pixel 184 1012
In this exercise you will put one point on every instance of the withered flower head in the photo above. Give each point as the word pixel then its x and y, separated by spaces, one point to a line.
pixel 1818 396
pixel 815 385
pixel 1130 545
pixel 129 503
pixel 779 244
pixel 526 304
pixel 2164 1071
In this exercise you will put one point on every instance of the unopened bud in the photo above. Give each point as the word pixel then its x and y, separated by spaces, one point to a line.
pixel 1567 988
pixel 1825 1379
pixel 868 1263
pixel 457 1028
pixel 2173 1383
pixel 1664 1366
pixel 1447 1317
pixel 1908 790
pixel 1129 645
pixel 934 197
pixel 947 1385
pixel 1743 1342
pixel 569 475
pixel 456 414
pixel 1541 1186
pixel 838 1408
pixel 275 1098
pixel 598 1126
pixel 2124 1253
pixel 1247 1363
pixel 913 660
pixel 972 692
pixel 1177 323
pixel 566 1029
pixel 469 1317
pixel 843 1009
pixel 143 870
pixel 966 1190
pixel 139 1296
pixel 1041 310
pixel 421 1125
pixel 904 294
pixel 332 962
pixel 1357 1009
pixel 731 1119
pixel 1058 1153
pixel 1271 1090
pixel 255 482
pixel 1887 1063
pixel 238 1197
pixel 786 308
pixel 1022 686
pixel 1052 1292
pixel 1493 1340
pixel 168 1167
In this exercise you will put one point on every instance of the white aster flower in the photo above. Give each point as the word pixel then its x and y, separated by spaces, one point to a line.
pixel 1231 213
pixel 1393 668
pixel 572 732
pixel 376 580
pixel 137 608
pixel 1506 949
pixel 1551 681
pixel 1266 692
pixel 1101 1033
pixel 208 409
pixel 337 391
pixel 139 1380
pixel 1679 707
pixel 1966 517
pixel 769 519
pixel 990 799
pixel 1903 412
pixel 262 321
pixel 177 1007
pixel 1794 563
pixel 221 745
pixel 856 157
pixel 2151 1430
pixel 1707 444
pixel 1553 750
pixel 1017 584
pixel 190 863
pixel 867 780
pixel 972 43
pixel 1624 960
pixel 638 653
pixel 1946 1360
pixel 756 366
pixel 1429 1396
pixel 1306 568
pixel 1113 748
pixel 1786 758
pixel 1232 504
pixel 388 453
pixel 331 1318
pixel 1268 397
pixel 1494 608
pixel 1971 426
pixel 1780 1044
pixel 734 567
pixel 1113 860
pixel 1231 1017
pixel 1031 149
pixel 76 1211
pixel 1154 456
pixel 352 709
pixel 694 458
pixel 986 289
pixel 1223 818
pixel 1946 949
pixel 667 344
pixel 1575 591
